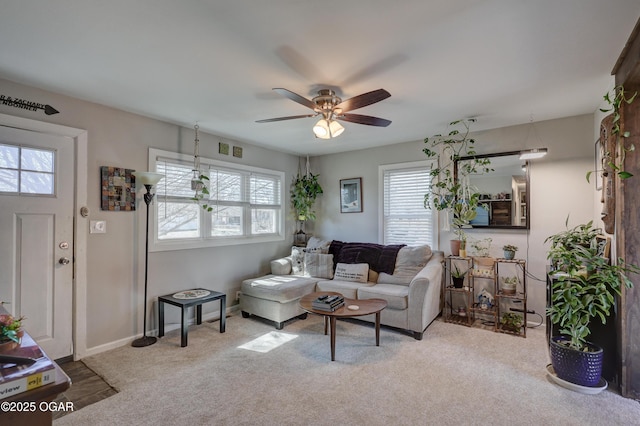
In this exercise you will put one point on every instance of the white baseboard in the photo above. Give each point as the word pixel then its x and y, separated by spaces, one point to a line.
pixel 168 327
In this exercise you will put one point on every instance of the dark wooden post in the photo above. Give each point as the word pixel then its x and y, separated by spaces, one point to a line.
pixel 627 73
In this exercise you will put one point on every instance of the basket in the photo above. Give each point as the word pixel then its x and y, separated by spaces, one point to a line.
pixel 580 368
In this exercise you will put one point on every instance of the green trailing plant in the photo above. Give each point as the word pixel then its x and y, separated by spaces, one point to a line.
pixel 304 191
pixel 616 100
pixel 449 190
pixel 202 192
pixel 585 283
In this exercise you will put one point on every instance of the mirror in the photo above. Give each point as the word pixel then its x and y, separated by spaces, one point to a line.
pixel 504 192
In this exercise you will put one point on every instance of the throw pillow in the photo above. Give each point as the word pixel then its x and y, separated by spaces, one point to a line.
pixel 409 262
pixel 297 260
pixel 318 265
pixel 356 272
pixel 317 243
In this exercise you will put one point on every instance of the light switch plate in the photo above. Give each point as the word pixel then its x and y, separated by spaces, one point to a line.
pixel 98 227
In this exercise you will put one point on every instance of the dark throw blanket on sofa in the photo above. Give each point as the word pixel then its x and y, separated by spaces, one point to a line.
pixel 381 258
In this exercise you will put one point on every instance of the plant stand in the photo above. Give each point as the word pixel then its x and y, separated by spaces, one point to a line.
pixel 462 306
pixel 457 301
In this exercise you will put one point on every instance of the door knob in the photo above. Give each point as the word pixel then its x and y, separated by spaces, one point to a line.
pixel 64 261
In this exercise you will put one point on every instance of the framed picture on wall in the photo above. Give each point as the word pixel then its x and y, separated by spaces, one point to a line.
pixel 351 195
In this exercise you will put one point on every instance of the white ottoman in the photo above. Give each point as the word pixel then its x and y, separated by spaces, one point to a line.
pixel 275 297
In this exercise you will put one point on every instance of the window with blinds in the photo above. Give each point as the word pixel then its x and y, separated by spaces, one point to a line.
pixel 405 220
pixel 245 202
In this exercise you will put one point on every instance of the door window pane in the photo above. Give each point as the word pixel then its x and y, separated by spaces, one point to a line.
pixel 27 170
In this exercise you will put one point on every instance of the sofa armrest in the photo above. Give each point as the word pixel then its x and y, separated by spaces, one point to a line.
pixel 425 292
pixel 281 266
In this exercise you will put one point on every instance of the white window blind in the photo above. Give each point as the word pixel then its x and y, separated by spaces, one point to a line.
pixel 405 220
pixel 245 202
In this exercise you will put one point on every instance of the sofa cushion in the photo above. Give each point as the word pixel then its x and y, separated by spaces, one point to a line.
pixel 348 289
pixel 281 266
pixel 297 260
pixel 357 272
pixel 397 296
pixel 280 288
pixel 318 265
pixel 409 262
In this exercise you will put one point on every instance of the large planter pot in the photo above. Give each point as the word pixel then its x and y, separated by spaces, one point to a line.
pixel 581 368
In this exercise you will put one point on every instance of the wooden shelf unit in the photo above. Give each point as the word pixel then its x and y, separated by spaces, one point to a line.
pixel 484 273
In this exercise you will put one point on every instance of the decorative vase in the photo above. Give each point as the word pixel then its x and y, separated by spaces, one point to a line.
pixel 509 254
pixel 455 247
pixel 578 367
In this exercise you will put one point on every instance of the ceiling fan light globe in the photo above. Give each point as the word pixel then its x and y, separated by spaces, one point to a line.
pixel 321 129
pixel 335 129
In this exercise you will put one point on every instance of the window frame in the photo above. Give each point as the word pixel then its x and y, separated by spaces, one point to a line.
pixel 382 169
pixel 204 239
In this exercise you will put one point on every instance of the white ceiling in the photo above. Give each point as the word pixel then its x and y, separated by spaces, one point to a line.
pixel 505 62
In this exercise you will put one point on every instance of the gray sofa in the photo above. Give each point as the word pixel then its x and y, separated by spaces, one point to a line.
pixel 408 278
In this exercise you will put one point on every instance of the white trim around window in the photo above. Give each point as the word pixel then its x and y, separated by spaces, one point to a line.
pixel 247 204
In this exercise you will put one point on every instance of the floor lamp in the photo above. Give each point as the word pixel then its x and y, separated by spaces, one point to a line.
pixel 148 179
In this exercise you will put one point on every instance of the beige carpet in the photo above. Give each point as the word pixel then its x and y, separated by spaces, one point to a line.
pixel 454 376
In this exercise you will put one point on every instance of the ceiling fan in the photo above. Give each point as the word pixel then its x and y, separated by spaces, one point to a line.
pixel 332 108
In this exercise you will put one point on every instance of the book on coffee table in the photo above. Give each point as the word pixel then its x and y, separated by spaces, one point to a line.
pixel 328 303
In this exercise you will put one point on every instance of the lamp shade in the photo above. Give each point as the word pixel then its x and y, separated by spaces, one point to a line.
pixel 147 178
pixel 321 129
pixel 335 129
pixel 532 154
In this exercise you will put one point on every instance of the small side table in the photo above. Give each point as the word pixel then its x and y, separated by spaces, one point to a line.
pixel 186 303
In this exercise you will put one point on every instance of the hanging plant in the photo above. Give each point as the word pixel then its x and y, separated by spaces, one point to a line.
pixel 304 191
pixel 448 191
pixel 616 100
pixel 201 192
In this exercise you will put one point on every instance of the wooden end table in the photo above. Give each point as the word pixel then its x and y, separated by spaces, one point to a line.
pixel 184 303
pixel 365 307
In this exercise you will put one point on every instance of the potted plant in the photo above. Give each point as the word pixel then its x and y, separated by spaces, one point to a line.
pixel 509 285
pixel 585 286
pixel 201 191
pixel 457 276
pixel 511 322
pixel 450 190
pixel 304 191
pixel 509 251
pixel 10 332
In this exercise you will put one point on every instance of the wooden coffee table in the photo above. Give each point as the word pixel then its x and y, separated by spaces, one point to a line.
pixel 365 307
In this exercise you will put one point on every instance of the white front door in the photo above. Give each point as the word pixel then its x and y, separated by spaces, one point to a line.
pixel 36 234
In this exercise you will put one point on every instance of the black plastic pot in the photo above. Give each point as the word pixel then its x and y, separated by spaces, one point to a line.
pixel 578 367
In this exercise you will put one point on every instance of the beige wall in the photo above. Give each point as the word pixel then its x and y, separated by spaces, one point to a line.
pixel 558 189
pixel 115 260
